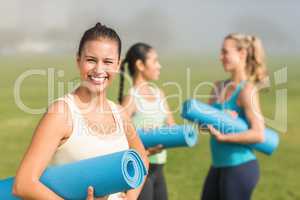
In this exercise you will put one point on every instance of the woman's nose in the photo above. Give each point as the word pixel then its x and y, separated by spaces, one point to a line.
pixel 221 57
pixel 100 67
pixel 159 66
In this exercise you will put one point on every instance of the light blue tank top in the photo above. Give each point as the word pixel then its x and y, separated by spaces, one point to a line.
pixel 150 114
pixel 230 154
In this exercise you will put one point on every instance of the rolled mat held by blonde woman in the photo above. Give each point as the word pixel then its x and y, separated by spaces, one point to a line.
pixel 205 114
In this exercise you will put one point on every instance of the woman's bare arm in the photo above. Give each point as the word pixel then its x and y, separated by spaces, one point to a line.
pixel 249 99
pixel 134 143
pixel 52 128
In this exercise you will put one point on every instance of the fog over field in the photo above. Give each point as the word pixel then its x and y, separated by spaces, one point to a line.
pixel 189 26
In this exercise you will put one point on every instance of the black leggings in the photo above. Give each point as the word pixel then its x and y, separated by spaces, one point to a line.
pixel 155 187
pixel 231 183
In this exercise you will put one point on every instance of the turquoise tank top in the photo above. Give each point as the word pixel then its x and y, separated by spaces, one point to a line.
pixel 230 154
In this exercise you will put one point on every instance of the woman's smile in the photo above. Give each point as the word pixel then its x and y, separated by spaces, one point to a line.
pixel 98 78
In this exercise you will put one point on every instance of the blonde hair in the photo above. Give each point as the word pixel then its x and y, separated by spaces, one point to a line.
pixel 255 62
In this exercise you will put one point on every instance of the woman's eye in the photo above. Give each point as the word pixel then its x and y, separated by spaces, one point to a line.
pixel 108 62
pixel 91 61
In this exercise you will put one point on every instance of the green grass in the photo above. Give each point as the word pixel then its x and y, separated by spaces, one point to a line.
pixel 186 168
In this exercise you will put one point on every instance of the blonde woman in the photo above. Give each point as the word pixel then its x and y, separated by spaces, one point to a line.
pixel 235 172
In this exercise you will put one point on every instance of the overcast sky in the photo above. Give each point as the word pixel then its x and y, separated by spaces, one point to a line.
pixel 191 26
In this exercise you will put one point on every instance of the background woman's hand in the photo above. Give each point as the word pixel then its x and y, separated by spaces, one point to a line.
pixel 155 150
pixel 232 113
pixel 215 133
pixel 202 127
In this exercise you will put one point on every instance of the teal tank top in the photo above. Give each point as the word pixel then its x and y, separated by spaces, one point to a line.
pixel 230 154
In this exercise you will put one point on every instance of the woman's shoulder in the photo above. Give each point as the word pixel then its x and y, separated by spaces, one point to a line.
pixel 57 114
pixel 249 93
pixel 248 88
pixel 59 105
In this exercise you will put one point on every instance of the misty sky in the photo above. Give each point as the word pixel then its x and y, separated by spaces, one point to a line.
pixel 190 26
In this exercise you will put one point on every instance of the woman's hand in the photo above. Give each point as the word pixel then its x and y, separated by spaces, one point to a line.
pixel 232 113
pixel 202 127
pixel 90 195
pixel 154 150
pixel 217 134
pixel 221 137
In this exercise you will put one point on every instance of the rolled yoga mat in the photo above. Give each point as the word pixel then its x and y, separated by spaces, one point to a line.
pixel 169 136
pixel 108 174
pixel 205 114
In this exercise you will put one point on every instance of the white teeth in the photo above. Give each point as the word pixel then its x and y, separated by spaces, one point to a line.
pixel 98 79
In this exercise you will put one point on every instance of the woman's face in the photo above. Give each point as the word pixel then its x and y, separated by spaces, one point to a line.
pixel 151 68
pixel 231 57
pixel 98 64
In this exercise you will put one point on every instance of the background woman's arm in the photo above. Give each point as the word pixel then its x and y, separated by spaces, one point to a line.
pixel 249 99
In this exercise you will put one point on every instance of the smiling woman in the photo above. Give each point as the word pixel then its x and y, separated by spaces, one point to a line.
pixel 82 124
pixel 102 54
pixel 98 57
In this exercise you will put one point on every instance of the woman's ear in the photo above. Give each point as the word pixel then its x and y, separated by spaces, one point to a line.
pixel 78 60
pixel 243 54
pixel 140 65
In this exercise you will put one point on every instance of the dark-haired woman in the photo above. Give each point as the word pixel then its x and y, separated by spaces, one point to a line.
pixel 83 123
pixel 146 106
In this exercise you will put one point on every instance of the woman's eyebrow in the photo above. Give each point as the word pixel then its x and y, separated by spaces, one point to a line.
pixel 88 56
pixel 110 59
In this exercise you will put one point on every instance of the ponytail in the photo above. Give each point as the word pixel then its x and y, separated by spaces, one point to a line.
pixel 256 66
pixel 136 52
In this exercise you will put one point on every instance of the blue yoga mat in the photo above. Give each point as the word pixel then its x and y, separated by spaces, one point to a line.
pixel 108 174
pixel 205 114
pixel 169 136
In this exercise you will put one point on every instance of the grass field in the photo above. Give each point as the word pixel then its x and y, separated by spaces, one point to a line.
pixel 186 168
